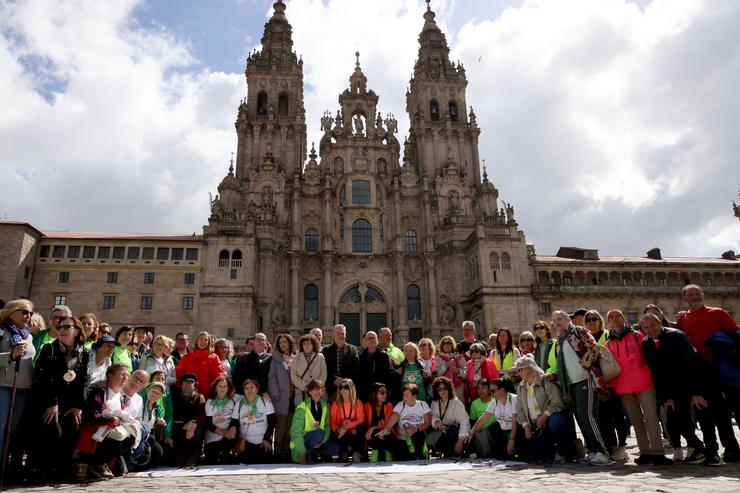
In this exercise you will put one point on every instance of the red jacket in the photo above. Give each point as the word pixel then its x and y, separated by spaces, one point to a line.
pixel 203 365
pixel 635 376
pixel 488 371
pixel 356 415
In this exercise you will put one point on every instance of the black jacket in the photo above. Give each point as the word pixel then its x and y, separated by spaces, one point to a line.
pixel 251 365
pixel 678 371
pixel 49 386
pixel 375 367
pixel 350 365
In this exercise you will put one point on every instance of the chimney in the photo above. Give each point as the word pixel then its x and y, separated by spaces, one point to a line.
pixel 655 254
pixel 729 255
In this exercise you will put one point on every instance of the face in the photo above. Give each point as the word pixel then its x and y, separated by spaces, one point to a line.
pixel 22 316
pixel 409 352
pixel 137 381
pixel 159 347
pixel 382 394
pixel 67 332
pixel 154 394
pixel 426 350
pixel 221 389
pixel 693 298
pixel 203 342
pixel 250 345
pixel 446 346
pixel 161 377
pixel 340 336
pixel 541 332
pixel 592 323
pixel 315 393
pixel 140 336
pixel 578 320
pixel 498 392
pixel 307 346
pixel 503 338
pixel 526 343
pixel 118 380
pixel 443 393
pixel 221 350
pixel 125 337
pixel 385 337
pixel 105 330
pixel 468 334
pixel 284 345
pixel 560 322
pixel 615 320
pixel 56 316
pixel 319 335
pixel 527 374
pixel 260 343
pixel 651 327
pixel 106 350
pixel 187 386
pixel 344 390
pixel 484 391
pixel 408 397
pixel 371 342
pixel 476 355
pixel 250 389
pixel 182 342
pixel 88 324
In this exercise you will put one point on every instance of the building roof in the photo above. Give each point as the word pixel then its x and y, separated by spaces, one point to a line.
pixel 82 235
pixel 553 259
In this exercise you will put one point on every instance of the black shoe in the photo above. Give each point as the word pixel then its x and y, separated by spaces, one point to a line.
pixel 661 460
pixel 713 460
pixel 644 460
pixel 731 456
pixel 696 458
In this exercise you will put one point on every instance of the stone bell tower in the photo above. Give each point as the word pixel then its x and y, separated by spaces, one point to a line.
pixel 272 119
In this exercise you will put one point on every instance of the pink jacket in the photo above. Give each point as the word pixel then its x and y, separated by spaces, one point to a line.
pixel 635 376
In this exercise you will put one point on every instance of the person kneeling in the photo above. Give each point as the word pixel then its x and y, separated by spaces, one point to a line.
pixel 347 423
pixel 256 418
pixel 449 420
pixel 311 428
pixel 413 418
pixel 189 415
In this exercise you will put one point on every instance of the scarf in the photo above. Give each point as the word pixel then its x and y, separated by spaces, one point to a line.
pixel 17 334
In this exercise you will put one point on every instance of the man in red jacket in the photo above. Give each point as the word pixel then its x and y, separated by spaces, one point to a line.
pixel 699 322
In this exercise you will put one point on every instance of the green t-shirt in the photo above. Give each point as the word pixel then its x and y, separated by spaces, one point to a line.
pixel 412 374
pixel 478 409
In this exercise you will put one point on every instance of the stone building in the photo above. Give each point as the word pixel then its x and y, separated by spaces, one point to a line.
pixel 376 232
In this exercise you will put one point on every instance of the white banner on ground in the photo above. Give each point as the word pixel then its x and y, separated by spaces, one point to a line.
pixel 378 467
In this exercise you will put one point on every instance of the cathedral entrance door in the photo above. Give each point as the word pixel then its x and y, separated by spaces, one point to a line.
pixel 362 308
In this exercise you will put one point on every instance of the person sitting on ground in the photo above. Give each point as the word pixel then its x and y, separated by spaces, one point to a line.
pixel 377 413
pixel 150 450
pixel 220 430
pixel 311 427
pixel 450 422
pixel 480 437
pixel 348 423
pixel 188 417
pixel 413 417
pixel 256 417
pixel 504 431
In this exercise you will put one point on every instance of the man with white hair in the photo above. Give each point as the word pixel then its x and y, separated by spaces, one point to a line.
pixel 385 341
pixel 319 334
pixel 468 339
pixel 342 360
pixel 578 374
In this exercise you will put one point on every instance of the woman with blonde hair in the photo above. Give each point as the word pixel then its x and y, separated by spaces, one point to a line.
pixel 426 360
pixel 201 362
pixel 16 374
pixel 347 416
pixel 90 326
pixel 411 370
pixel 448 363
pixel 157 359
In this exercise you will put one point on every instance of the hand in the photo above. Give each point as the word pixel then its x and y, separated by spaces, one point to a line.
pixel 266 445
pixel 550 377
pixel 510 447
pixel 411 431
pixel 381 434
pixel 369 433
pixel 469 437
pixel 669 404
pixel 51 415
pixel 302 459
pixel 337 381
pixel 318 445
pixel 459 446
pixel 425 374
pixel 528 432
pixel 230 433
pixel 399 370
pixel 266 397
pixel 699 402
pixel 161 422
pixel 77 413
pixel 18 351
pixel 438 425
pixel 116 422
pixel 169 441
pixel 541 421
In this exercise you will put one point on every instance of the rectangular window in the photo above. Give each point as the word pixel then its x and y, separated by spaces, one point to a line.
pixel 109 301
pixel 191 254
pixel 545 308
pixel 415 334
pixel 88 252
pixel 64 277
pixel 133 253
pixel 632 318
pixel 44 252
pixel 230 332
pixel 146 302
pixel 148 277
pixel 73 252
pixel 60 300
pixel 58 251
pixel 112 277
pixel 233 273
pixel 187 302
pixel 103 252
pixel 148 253
pixel 118 252
pixel 360 192
pixel 177 254
pixel 163 253
pixel 189 278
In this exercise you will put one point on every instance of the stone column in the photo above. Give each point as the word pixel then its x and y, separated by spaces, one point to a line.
pixel 294 291
pixel 327 296
pixel 432 297
pixel 402 327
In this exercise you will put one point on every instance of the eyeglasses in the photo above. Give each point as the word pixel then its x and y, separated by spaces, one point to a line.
pixel 382 392
pixel 66 326
pixel 526 339
pixel 344 387
pixel 27 312
pixel 591 319
pixel 442 389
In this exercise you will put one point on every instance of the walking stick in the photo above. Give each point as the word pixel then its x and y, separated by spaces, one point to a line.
pixel 6 442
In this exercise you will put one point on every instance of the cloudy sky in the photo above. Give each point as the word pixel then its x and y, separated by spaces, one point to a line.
pixel 609 124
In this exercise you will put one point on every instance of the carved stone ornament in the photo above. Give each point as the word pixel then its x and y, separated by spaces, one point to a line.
pixel 409 178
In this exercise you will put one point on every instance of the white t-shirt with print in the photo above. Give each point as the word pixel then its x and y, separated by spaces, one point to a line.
pixel 411 416
pixel 253 418
pixel 221 417
pixel 504 413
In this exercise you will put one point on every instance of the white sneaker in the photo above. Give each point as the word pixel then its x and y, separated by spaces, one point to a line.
pixel 620 454
pixel 678 455
pixel 599 459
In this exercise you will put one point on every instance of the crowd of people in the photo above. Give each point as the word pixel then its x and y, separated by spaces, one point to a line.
pixel 79 401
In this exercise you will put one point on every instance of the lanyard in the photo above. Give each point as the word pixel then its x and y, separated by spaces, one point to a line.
pixel 442 414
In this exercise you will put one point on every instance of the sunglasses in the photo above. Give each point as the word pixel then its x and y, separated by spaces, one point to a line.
pixel 527 339
pixel 344 387
pixel 66 326
pixel 424 345
pixel 382 392
pixel 27 312
pixel 590 319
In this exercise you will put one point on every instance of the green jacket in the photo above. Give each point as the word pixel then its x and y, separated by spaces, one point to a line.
pixel 302 424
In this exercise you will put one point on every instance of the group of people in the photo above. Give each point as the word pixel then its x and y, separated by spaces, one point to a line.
pixel 79 403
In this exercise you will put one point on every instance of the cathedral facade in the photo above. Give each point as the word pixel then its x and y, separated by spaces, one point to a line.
pixel 362 229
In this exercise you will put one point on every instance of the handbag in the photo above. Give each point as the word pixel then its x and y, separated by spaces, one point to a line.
pixel 119 433
pixel 608 364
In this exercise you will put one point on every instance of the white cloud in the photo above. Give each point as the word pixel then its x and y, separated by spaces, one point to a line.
pixel 605 124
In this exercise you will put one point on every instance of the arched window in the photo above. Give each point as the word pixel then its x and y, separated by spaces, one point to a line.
pixel 434 110
pixel 454 115
pixel 567 279
pixel 262 103
pixel 312 240
pixel 413 302
pixel 310 302
pixel 223 258
pixel 378 195
pixel 362 236
pixel 373 294
pixel 410 241
pixel 236 255
pixel 505 261
pixel 493 259
pixel 351 296
pixel 283 104
pixel 360 192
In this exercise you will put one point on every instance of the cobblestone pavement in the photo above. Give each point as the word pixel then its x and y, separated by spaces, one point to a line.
pixel 538 479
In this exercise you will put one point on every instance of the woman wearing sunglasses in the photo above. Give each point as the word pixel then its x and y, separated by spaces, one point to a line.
pixel 449 420
pixel 348 422
pixel 377 413
pixel 16 375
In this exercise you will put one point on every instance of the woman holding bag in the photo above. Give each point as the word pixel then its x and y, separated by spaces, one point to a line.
pixel 306 366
